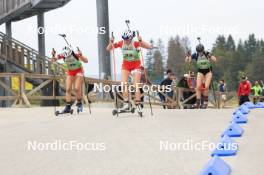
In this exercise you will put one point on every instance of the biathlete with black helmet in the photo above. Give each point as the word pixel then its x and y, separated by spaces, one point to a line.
pixel 131 64
pixel 204 74
pixel 72 62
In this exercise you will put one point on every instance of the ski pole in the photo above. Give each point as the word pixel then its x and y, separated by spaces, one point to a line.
pixel 86 88
pixel 128 24
pixel 189 62
pixel 146 77
pixel 113 54
pixel 114 60
pixel 54 81
pixel 150 104
pixel 142 57
pixel 216 103
pixel 64 37
pixel 212 86
pixel 116 96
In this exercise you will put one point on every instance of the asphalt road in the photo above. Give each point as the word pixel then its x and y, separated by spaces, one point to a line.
pixel 100 144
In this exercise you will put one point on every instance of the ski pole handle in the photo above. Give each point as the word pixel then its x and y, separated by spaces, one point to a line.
pixel 127 23
pixel 139 38
pixel 53 52
pixel 79 51
pixel 112 37
pixel 189 53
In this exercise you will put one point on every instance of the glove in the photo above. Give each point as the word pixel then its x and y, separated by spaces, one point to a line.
pixel 189 53
pixel 53 53
pixel 207 54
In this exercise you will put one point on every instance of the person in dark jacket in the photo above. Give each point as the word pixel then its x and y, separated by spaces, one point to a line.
pixel 167 81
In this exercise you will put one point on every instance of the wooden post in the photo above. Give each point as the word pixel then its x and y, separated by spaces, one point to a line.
pixel 22 91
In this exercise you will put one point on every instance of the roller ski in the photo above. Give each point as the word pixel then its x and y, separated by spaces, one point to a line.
pixel 197 105
pixel 66 110
pixel 125 109
pixel 79 107
pixel 139 110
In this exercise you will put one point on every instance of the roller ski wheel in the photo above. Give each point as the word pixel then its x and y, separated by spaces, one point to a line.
pixel 139 111
pixel 133 110
pixel 203 107
pixel 140 114
pixel 79 109
pixel 57 113
pixel 115 112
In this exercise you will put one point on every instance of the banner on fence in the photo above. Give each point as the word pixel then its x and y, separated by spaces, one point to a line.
pixel 16 84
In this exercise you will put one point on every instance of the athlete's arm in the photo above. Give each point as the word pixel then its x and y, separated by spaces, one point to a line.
pixel 53 53
pixel 188 59
pixel 213 58
pixel 110 45
pixel 81 57
pixel 143 44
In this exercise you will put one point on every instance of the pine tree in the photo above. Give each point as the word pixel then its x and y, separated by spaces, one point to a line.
pixel 250 47
pixel 158 70
pixel 230 44
pixel 161 48
pixel 149 60
pixel 220 43
pixel 176 55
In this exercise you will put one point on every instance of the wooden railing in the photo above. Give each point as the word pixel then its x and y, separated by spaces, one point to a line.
pixel 23 97
pixel 25 57
pixel 7 6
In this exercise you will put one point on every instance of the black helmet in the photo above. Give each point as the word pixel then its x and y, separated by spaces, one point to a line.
pixel 199 48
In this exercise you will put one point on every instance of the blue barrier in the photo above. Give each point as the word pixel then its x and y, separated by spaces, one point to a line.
pixel 237 112
pixel 250 105
pixel 239 118
pixel 259 105
pixel 234 130
pixel 226 147
pixel 216 166
pixel 244 109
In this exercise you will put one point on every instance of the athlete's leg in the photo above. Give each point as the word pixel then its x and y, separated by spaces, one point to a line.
pixel 78 87
pixel 137 85
pixel 208 79
pixel 199 82
pixel 124 80
pixel 69 82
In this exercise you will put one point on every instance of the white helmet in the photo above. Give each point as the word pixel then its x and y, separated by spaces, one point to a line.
pixel 66 51
pixel 128 34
